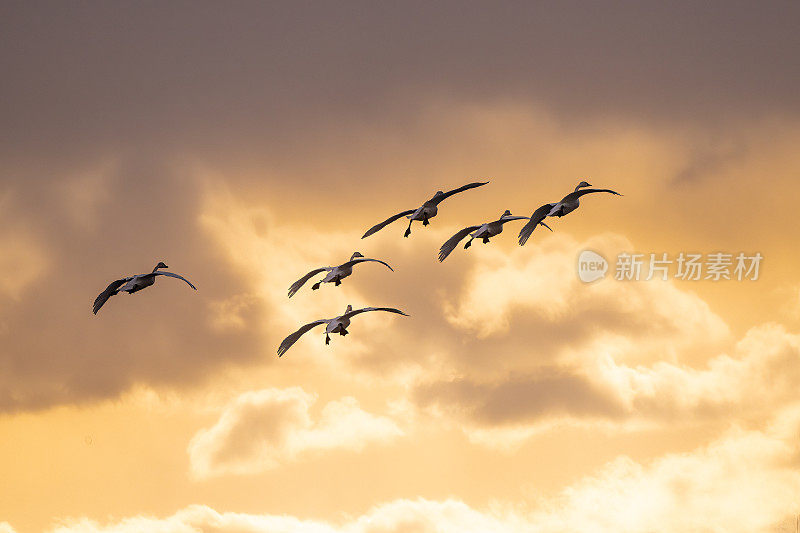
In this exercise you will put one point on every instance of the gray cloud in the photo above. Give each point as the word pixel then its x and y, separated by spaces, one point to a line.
pixel 757 378
pixel 54 350
pixel 549 393
pixel 78 76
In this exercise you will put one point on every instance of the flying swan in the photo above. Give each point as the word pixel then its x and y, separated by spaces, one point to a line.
pixel 335 274
pixel 133 284
pixel 338 325
pixel 423 213
pixel 571 201
pixel 482 231
pixel 568 204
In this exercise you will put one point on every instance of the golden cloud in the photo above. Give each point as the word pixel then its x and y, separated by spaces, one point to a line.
pixel 264 429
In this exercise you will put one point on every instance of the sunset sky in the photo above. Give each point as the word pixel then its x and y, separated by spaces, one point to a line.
pixel 246 143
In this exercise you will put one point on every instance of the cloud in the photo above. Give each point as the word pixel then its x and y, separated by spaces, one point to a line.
pixel 744 482
pixel 264 429
pixel 254 74
pixel 399 516
pixel 551 350
pixel 23 262
pixel 757 378
pixel 60 250
pixel 244 239
pixel 550 393
pixel 541 285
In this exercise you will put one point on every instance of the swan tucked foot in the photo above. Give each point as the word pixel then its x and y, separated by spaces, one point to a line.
pixel 327 340
pixel 408 232
pixel 469 243
pixel 343 332
pixel 337 282
pixel 425 222
pixel 485 240
pixel 316 286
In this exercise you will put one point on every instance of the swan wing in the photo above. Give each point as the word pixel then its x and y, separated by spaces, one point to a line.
pixel 577 194
pixel 463 188
pixel 453 241
pixel 363 259
pixel 509 219
pixel 292 338
pixel 110 291
pixel 367 309
pixel 173 275
pixel 386 222
pixel 536 218
pixel 299 283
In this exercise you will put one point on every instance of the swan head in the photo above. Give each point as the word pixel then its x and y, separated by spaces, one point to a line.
pixel 583 184
pixel 355 254
pixel 506 214
pixel 160 265
pixel 349 308
pixel 438 193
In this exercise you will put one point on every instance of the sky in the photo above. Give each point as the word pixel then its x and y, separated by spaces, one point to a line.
pixel 247 143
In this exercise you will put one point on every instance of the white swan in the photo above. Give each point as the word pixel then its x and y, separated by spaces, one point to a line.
pixel 571 201
pixel 482 231
pixel 335 274
pixel 337 324
pixel 423 213
pixel 568 204
pixel 133 284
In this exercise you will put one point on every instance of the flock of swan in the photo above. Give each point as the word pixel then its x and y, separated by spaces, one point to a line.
pixel 336 274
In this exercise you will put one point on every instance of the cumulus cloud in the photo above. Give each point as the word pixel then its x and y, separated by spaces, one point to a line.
pixel 553 350
pixel 399 516
pixel 758 377
pixel 744 482
pixel 541 284
pixel 264 429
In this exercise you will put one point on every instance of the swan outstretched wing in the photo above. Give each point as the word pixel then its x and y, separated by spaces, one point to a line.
pixel 436 200
pixel 299 283
pixel 386 222
pixel 173 275
pixel 291 339
pixel 577 194
pixel 363 259
pixel 451 243
pixel 536 218
pixel 367 309
pixel 509 219
pixel 110 291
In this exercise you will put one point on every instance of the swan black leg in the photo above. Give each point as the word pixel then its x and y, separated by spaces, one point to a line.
pixel 425 221
pixel 327 339
pixel 343 332
pixel 408 229
pixel 469 243
pixel 337 282
pixel 316 286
